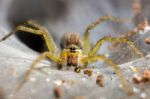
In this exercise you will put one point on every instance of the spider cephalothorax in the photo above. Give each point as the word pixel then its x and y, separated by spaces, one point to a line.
pixel 71 44
pixel 72 38
pixel 75 52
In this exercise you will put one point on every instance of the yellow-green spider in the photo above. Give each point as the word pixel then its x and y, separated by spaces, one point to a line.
pixel 75 51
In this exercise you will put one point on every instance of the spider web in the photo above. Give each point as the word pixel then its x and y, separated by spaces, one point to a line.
pixel 123 53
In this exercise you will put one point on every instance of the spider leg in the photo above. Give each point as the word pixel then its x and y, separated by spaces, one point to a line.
pixel 116 68
pixel 43 32
pixel 38 31
pixel 34 24
pixel 87 46
pixel 44 55
pixel 7 35
pixel 114 39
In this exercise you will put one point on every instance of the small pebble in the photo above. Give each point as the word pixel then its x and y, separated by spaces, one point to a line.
pixel 147 40
pixel 136 79
pixel 77 70
pixel 145 77
pixel 88 72
pixel 58 92
pixel 100 80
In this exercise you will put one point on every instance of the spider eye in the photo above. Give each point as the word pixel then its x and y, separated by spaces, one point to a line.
pixel 72 48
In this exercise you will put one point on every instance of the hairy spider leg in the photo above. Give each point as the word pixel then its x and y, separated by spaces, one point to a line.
pixel 43 56
pixel 8 35
pixel 99 43
pixel 116 68
pixel 38 31
pixel 43 32
pixel 34 24
pixel 87 46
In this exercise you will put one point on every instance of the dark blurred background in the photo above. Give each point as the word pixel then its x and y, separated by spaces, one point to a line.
pixel 63 16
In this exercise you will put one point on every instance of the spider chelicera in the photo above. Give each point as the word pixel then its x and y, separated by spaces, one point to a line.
pixel 75 51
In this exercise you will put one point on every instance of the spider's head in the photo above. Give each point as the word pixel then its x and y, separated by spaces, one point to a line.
pixel 72 44
pixel 72 41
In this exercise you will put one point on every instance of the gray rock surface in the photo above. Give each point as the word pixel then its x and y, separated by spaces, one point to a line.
pixel 73 85
pixel 15 57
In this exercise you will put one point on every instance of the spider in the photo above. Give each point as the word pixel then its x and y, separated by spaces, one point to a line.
pixel 75 51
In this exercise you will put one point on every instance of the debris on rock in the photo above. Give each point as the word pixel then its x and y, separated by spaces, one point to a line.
pixel 58 92
pixel 136 79
pixel 147 40
pixel 142 79
pixel 100 80
pixel 88 72
pixel 146 76
pixel 77 70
